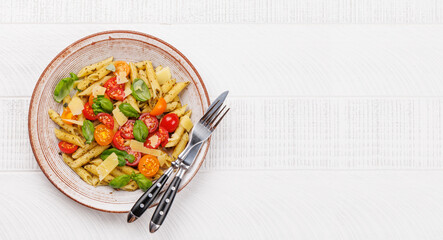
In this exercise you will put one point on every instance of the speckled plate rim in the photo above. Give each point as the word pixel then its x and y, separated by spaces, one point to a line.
pixel 32 107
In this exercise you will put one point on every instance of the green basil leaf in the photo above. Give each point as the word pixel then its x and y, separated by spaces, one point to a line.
pixel 73 76
pixel 102 104
pixel 63 89
pixel 111 67
pixel 88 131
pixel 140 90
pixel 143 182
pixel 140 131
pixel 128 110
pixel 120 181
pixel 122 156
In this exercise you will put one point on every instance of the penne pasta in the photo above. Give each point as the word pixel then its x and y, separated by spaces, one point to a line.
pixel 88 91
pixel 152 78
pixel 140 65
pixel 131 186
pixel 83 150
pixel 167 86
pixel 131 100
pixel 175 90
pixel 128 170
pixel 95 180
pixel 181 145
pixel 66 100
pixel 180 111
pixel 82 173
pixel 89 155
pixel 70 138
pixel 171 106
pixel 142 76
pixel 87 81
pixel 93 67
pixel 58 120
pixel 133 73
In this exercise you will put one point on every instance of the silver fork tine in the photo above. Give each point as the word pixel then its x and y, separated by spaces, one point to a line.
pixel 219 120
pixel 208 111
pixel 208 118
pixel 213 117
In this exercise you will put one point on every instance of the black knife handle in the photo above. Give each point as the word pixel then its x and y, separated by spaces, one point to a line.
pixel 146 200
pixel 166 202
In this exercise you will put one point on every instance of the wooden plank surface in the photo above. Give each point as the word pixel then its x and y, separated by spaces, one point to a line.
pixel 261 60
pixel 329 205
pixel 221 11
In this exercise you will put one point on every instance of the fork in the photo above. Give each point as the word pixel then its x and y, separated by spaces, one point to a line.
pixel 144 202
pixel 201 132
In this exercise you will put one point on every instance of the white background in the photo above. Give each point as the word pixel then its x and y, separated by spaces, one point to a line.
pixel 335 130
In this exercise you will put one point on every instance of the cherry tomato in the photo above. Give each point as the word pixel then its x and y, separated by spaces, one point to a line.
pixel 148 165
pixel 67 147
pixel 137 156
pixel 153 140
pixel 150 121
pixel 163 135
pixel 116 94
pixel 170 122
pixel 67 114
pixel 121 67
pixel 88 112
pixel 103 135
pixel 91 99
pixel 159 107
pixel 127 129
pixel 118 141
pixel 106 119
pixel 112 83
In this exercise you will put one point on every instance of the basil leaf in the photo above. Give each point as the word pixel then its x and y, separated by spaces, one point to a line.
pixel 143 182
pixel 140 131
pixel 88 131
pixel 121 155
pixel 111 67
pixel 73 76
pixel 102 104
pixel 128 110
pixel 140 90
pixel 120 181
pixel 63 89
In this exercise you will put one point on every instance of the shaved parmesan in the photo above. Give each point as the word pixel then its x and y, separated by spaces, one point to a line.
pixel 127 92
pixel 98 90
pixel 186 123
pixel 119 116
pixel 139 147
pixel 73 121
pixel 163 75
pixel 107 166
pixel 76 105
pixel 121 79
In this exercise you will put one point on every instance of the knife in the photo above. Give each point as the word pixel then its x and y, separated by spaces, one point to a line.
pixel 146 200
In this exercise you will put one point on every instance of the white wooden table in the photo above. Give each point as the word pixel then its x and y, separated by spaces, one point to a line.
pixel 335 132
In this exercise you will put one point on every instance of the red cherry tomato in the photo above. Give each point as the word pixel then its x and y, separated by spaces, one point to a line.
pixel 137 156
pixel 150 121
pixel 116 94
pixel 127 129
pixel 88 112
pixel 170 122
pixel 106 119
pixel 153 141
pixel 112 83
pixel 163 135
pixel 118 141
pixel 67 147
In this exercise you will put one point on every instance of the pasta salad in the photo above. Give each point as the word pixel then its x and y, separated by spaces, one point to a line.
pixel 122 122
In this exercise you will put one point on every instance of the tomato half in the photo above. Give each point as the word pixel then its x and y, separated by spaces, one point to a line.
pixel 106 119
pixel 67 114
pixel 121 67
pixel 118 141
pixel 159 107
pixel 170 122
pixel 150 121
pixel 148 165
pixel 163 135
pixel 127 129
pixel 91 98
pixel 88 112
pixel 153 140
pixel 67 147
pixel 103 135
pixel 112 83
pixel 137 156
pixel 116 94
